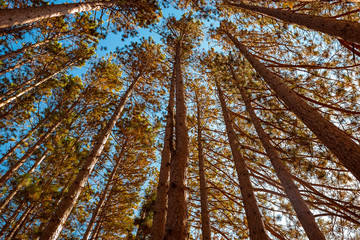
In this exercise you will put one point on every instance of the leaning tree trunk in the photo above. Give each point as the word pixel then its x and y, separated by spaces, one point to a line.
pixel 205 219
pixel 17 227
pixel 54 227
pixel 104 194
pixel 12 17
pixel 161 203
pixel 306 218
pixel 12 218
pixel 41 122
pixel 176 220
pixel 255 223
pixel 349 31
pixel 16 189
pixel 33 148
pixel 341 145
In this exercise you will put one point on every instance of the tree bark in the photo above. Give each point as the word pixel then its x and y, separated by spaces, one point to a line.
pixel 54 227
pixel 104 194
pixel 339 143
pixel 12 17
pixel 161 204
pixel 12 218
pixel 349 31
pixel 176 222
pixel 13 232
pixel 255 223
pixel 303 213
pixel 205 219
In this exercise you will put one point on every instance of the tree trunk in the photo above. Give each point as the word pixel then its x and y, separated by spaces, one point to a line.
pixel 306 218
pixel 255 223
pixel 205 219
pixel 17 65
pixel 54 227
pixel 12 218
pixel 104 194
pixel 161 204
pixel 41 122
pixel 349 31
pixel 24 49
pixel 20 185
pixel 32 149
pixel 19 94
pixel 176 222
pixel 12 17
pixel 347 151
pixel 14 231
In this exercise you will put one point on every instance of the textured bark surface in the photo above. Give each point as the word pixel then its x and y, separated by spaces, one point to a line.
pixel 339 143
pixel 11 17
pixel 104 194
pixel 303 213
pixel 176 222
pixel 205 219
pixel 161 204
pixel 349 31
pixel 54 227
pixel 253 216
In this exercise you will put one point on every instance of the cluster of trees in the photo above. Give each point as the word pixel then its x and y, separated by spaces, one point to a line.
pixel 254 136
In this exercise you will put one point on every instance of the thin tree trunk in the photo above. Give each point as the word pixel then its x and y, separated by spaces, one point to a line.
pixel 104 194
pixel 12 218
pixel 20 185
pixel 32 149
pixel 255 223
pixel 341 145
pixel 176 222
pixel 161 204
pixel 305 216
pixel 100 220
pixel 12 17
pixel 24 49
pixel 54 227
pixel 349 31
pixel 13 232
pixel 40 123
pixel 205 219
pixel 19 94
pixel 9 69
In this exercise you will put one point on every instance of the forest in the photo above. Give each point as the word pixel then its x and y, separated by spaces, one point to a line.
pixel 180 120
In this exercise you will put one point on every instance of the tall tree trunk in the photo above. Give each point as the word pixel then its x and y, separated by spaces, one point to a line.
pixel 347 151
pixel 161 204
pixel 54 227
pixel 349 31
pixel 306 218
pixel 12 218
pixel 17 65
pixel 176 222
pixel 255 223
pixel 32 149
pixel 105 193
pixel 40 123
pixel 11 17
pixel 13 192
pixel 205 219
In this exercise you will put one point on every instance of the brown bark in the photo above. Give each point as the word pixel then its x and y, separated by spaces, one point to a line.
pixel 303 213
pixel 176 222
pixel 339 143
pixel 11 17
pixel 255 223
pixel 349 31
pixel 16 228
pixel 104 194
pixel 12 218
pixel 16 66
pixel 54 227
pixel 161 204
pixel 205 219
